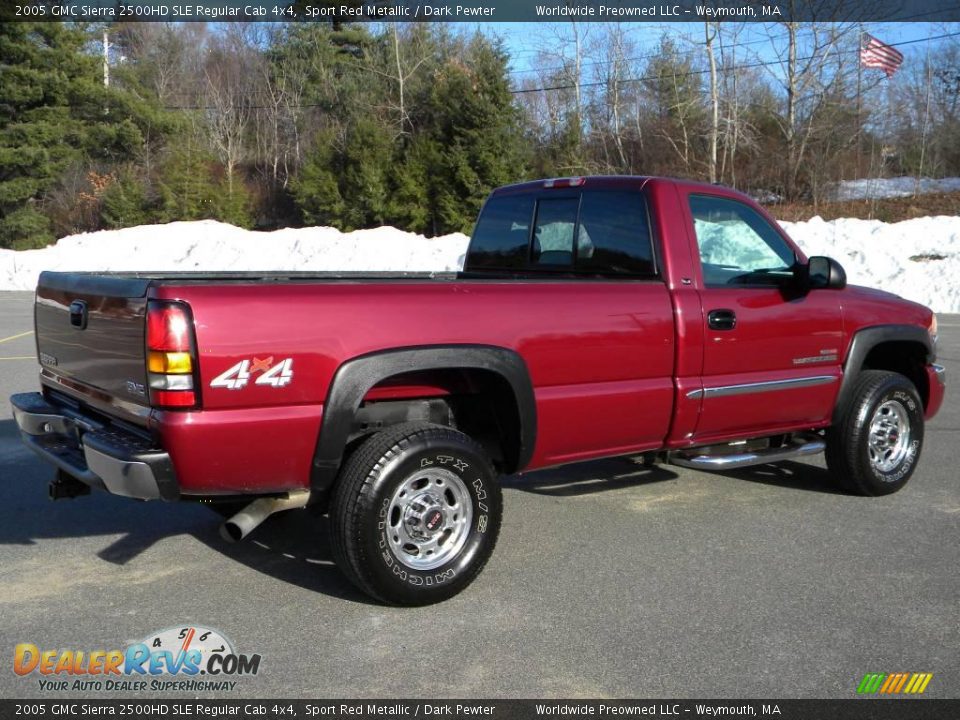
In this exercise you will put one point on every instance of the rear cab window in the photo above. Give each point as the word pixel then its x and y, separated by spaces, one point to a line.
pixel 590 233
pixel 502 234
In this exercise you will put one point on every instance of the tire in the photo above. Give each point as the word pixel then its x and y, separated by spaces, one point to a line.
pixel 874 448
pixel 415 514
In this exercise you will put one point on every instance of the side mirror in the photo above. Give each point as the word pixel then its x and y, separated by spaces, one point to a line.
pixel 825 272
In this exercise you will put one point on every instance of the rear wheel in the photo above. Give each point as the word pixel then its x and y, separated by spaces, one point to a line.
pixel 874 448
pixel 415 514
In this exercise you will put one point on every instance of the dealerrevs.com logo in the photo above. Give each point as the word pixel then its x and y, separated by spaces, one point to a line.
pixel 186 658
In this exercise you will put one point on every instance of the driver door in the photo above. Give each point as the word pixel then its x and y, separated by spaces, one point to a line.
pixel 771 352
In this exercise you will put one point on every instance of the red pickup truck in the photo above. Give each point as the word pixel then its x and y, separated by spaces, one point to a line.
pixel 594 317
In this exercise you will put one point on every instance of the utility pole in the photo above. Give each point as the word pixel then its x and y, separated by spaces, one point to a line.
pixel 926 120
pixel 106 58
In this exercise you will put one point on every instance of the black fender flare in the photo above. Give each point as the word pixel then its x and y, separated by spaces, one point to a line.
pixel 355 377
pixel 863 342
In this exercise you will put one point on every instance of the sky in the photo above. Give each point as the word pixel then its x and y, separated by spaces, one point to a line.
pixel 524 40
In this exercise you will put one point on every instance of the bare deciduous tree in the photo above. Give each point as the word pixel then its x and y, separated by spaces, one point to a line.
pixel 229 73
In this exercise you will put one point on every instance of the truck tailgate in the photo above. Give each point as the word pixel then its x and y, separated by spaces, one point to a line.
pixel 90 330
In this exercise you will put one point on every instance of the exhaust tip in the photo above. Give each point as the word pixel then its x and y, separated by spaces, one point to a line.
pixel 231 532
pixel 244 522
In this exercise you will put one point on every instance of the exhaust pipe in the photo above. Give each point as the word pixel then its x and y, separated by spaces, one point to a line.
pixel 244 522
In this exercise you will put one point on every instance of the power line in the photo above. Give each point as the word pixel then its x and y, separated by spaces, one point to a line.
pixel 758 41
pixel 691 73
pixel 591 63
pixel 524 91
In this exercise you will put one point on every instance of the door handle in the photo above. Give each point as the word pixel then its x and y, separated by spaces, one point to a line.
pixel 721 319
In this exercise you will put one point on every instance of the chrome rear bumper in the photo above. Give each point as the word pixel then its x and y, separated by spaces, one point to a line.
pixel 118 461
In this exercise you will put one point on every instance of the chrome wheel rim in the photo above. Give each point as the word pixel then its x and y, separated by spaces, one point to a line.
pixel 889 440
pixel 428 518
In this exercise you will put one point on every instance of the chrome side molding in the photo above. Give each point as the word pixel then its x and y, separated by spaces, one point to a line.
pixel 766 386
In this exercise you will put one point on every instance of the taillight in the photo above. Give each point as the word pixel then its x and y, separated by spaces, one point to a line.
pixel 564 182
pixel 171 355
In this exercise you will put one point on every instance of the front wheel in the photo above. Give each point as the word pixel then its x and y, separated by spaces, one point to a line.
pixel 415 514
pixel 875 447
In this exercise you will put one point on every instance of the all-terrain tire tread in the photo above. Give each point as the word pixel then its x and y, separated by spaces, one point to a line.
pixel 351 497
pixel 844 437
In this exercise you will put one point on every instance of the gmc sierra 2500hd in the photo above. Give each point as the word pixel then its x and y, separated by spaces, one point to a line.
pixel 594 317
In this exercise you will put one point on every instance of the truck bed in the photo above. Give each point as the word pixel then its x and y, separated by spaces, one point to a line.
pixel 600 350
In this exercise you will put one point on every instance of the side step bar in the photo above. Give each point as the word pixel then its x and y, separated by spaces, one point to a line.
pixel 800 445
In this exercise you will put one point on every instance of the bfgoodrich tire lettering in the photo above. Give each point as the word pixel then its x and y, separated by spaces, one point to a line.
pixel 875 446
pixel 415 514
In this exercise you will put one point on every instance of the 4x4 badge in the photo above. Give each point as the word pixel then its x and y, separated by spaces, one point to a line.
pixel 237 377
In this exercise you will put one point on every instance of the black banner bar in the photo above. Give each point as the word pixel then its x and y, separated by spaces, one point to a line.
pixel 482 10
pixel 853 709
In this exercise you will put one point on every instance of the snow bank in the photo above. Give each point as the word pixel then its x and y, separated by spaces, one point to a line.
pixel 209 245
pixel 891 187
pixel 918 259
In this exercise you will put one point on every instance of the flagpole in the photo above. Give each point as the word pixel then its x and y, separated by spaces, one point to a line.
pixel 923 133
pixel 859 100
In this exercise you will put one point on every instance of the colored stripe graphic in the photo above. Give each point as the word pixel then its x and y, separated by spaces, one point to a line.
pixel 871 683
pixel 889 682
pixel 894 683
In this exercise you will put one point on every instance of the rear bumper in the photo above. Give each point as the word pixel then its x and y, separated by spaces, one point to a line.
pixel 117 461
pixel 937 382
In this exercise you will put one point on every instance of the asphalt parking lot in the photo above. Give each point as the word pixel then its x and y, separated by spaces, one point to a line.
pixel 609 580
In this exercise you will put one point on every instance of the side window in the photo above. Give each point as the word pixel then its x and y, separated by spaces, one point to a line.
pixel 553 232
pixel 614 234
pixel 502 234
pixel 737 245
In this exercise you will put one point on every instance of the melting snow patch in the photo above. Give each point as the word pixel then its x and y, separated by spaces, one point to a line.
pixel 874 188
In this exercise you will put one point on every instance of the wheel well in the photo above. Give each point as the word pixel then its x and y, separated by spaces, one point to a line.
pixel 904 357
pixel 483 390
pixel 479 403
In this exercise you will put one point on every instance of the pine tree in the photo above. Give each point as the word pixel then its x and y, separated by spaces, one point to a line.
pixel 56 113
pixel 469 119
pixel 346 184
pixel 39 134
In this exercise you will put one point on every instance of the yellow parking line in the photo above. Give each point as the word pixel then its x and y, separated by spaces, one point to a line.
pixel 19 357
pixel 14 337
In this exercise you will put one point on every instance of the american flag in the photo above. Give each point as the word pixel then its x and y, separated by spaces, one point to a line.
pixel 875 54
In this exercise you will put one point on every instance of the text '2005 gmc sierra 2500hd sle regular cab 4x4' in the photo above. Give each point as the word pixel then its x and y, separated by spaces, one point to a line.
pixel 594 317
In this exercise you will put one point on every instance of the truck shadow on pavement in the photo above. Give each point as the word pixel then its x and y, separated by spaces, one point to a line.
pixel 592 476
pixel 789 474
pixel 291 547
pixel 597 476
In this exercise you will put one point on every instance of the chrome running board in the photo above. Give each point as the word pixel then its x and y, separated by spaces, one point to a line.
pixel 799 446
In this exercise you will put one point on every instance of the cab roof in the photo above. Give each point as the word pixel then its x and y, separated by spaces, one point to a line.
pixel 616 182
